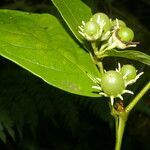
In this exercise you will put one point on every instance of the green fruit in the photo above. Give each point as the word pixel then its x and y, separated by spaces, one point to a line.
pixel 125 34
pixel 91 28
pixel 121 23
pixel 112 83
pixel 101 18
pixel 129 72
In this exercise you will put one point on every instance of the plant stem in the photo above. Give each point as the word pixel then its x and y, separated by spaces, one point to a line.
pixel 100 66
pixel 99 63
pixel 116 125
pixel 95 48
pixel 120 129
pixel 120 123
pixel 121 117
pixel 137 98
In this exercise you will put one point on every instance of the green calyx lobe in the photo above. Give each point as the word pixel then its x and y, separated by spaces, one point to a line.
pixel 112 83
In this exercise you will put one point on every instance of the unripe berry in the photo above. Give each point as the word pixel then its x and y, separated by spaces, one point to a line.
pixel 125 34
pixel 120 22
pixel 129 72
pixel 112 83
pixel 91 28
pixel 102 20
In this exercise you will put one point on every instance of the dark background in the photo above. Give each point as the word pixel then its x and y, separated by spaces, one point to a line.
pixel 36 116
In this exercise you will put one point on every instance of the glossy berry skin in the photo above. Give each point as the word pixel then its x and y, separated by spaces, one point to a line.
pixel 121 23
pixel 129 72
pixel 125 34
pixel 101 18
pixel 91 28
pixel 112 83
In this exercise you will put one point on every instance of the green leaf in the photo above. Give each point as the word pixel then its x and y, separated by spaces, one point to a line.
pixel 39 44
pixel 2 134
pixel 130 54
pixel 73 12
pixel 10 130
pixel 6 123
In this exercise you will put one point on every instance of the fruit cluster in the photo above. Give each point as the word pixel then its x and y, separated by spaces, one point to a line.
pixel 104 35
pixel 113 83
pixel 107 32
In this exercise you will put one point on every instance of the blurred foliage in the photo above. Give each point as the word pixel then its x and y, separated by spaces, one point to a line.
pixel 36 116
